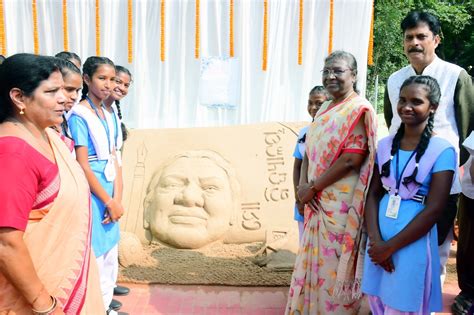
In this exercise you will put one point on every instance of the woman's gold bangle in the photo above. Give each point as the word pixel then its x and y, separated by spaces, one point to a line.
pixel 50 310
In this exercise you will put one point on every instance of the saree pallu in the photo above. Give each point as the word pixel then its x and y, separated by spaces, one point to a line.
pixel 328 269
pixel 59 244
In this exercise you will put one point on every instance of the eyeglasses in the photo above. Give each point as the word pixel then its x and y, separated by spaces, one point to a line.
pixel 336 72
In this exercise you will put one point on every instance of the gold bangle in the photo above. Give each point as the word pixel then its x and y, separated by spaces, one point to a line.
pixel 50 310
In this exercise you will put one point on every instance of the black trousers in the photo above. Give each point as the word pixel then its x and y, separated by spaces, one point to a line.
pixel 465 252
pixel 446 221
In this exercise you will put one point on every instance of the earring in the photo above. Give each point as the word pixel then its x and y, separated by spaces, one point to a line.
pixel 22 112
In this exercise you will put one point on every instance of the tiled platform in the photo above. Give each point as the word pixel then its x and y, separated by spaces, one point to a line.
pixel 162 299
pixel 218 300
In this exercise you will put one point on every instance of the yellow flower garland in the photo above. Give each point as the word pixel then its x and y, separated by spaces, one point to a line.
pixel 198 31
pixel 265 36
pixel 300 35
pixel 162 30
pixel 130 31
pixel 331 25
pixel 231 28
pixel 97 27
pixel 65 27
pixel 35 28
pixel 3 40
pixel 370 53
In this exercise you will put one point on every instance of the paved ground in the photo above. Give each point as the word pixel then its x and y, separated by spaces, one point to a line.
pixel 213 300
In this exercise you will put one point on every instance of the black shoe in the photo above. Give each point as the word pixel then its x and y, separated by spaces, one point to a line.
pixel 115 305
pixel 120 290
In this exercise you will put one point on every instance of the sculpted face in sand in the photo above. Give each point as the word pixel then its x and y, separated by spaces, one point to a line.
pixel 190 200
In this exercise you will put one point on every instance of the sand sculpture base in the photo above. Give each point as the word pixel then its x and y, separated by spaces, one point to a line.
pixel 209 205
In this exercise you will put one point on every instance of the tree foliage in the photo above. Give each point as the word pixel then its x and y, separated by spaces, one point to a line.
pixel 456 17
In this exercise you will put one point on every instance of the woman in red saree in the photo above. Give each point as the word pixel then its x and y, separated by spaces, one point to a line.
pixel 340 151
pixel 46 263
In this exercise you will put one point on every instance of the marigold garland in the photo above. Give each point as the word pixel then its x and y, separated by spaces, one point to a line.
pixel 370 53
pixel 265 35
pixel 300 35
pixel 198 30
pixel 331 25
pixel 3 40
pixel 65 27
pixel 35 28
pixel 97 27
pixel 130 31
pixel 162 30
pixel 231 28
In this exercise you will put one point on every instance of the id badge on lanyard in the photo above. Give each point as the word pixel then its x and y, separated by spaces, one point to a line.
pixel 393 206
pixel 109 170
pixel 395 200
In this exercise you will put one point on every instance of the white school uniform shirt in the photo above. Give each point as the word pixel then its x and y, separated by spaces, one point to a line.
pixel 103 145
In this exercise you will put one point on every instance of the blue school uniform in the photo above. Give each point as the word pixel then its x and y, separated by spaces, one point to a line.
pixel 404 288
pixel 299 154
pixel 104 236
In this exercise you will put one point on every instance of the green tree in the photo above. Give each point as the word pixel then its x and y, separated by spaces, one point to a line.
pixel 457 43
pixel 457 37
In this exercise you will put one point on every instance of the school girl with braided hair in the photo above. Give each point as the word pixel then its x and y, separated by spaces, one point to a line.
pixel 123 80
pixel 95 133
pixel 410 186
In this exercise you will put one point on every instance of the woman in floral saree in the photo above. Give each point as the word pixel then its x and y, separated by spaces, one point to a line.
pixel 340 151
pixel 46 263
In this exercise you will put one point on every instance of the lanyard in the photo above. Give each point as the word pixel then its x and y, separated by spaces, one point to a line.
pixel 398 176
pixel 102 121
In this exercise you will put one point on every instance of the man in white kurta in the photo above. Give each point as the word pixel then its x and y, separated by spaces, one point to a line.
pixel 455 114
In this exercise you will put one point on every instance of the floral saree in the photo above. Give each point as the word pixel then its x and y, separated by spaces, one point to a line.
pixel 58 240
pixel 328 269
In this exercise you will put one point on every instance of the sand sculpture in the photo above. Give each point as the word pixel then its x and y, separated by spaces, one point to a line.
pixel 187 188
pixel 190 199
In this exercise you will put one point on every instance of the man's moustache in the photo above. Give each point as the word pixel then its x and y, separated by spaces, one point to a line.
pixel 415 50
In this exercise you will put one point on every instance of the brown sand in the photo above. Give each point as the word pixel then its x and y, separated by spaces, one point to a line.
pixel 215 264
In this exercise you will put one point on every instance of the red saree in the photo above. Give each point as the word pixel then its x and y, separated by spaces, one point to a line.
pixel 58 240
